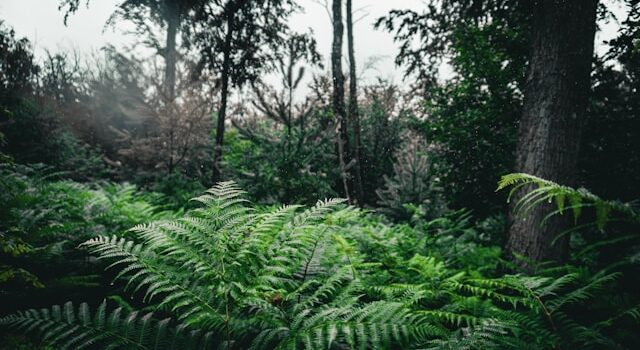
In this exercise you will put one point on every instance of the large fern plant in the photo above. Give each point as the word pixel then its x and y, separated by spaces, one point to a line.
pixel 232 276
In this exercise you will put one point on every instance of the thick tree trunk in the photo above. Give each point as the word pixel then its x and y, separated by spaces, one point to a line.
pixel 354 117
pixel 224 92
pixel 555 101
pixel 170 57
pixel 338 95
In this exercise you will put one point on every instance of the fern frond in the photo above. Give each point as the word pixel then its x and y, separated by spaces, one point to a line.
pixel 549 191
pixel 67 327
pixel 159 279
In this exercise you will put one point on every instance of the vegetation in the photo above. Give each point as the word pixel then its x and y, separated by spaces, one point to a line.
pixel 236 276
pixel 142 207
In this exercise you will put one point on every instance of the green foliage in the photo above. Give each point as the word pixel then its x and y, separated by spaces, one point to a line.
pixel 42 220
pixel 280 166
pixel 256 279
pixel 333 277
pixel 413 185
pixel 32 128
pixel 566 198
pixel 384 112
pixel 76 328
pixel 610 144
pixel 472 118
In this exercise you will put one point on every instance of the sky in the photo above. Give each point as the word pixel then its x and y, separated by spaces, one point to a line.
pixel 42 23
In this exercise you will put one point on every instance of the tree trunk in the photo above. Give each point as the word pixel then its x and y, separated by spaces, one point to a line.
pixel 555 101
pixel 170 57
pixel 338 95
pixel 354 116
pixel 224 91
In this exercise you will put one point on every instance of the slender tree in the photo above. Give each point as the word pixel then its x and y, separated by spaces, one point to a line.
pixel 239 40
pixel 353 112
pixel 230 20
pixel 338 96
pixel 173 17
pixel 555 102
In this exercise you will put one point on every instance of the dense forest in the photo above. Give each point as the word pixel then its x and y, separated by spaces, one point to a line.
pixel 242 187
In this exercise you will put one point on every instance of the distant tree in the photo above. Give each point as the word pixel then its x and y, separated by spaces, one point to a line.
pixel 611 139
pixel 17 64
pixel 384 112
pixel 339 110
pixel 174 137
pixel 279 105
pixel 35 100
pixel 413 184
pixel 17 72
pixel 168 14
pixel 472 113
pixel 353 112
pixel 284 152
pixel 240 40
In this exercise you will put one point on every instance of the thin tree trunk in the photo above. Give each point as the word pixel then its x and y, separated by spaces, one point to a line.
pixel 171 54
pixel 224 91
pixel 338 94
pixel 290 87
pixel 170 59
pixel 555 101
pixel 354 116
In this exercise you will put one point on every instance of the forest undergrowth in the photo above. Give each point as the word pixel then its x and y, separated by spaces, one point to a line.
pixel 226 273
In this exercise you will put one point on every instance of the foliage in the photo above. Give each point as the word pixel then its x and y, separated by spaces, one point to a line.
pixel 42 220
pixel 612 131
pixel 566 198
pixel 427 37
pixel 285 152
pixel 331 277
pixel 17 64
pixel 281 150
pixel 220 272
pixel 284 282
pixel 601 234
pixel 384 112
pixel 279 166
pixel 412 185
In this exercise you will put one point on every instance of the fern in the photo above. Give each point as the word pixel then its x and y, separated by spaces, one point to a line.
pixel 75 328
pixel 277 279
pixel 234 276
pixel 566 198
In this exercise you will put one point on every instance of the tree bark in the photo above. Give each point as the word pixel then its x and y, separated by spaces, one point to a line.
pixel 170 57
pixel 338 95
pixel 555 100
pixel 224 91
pixel 354 116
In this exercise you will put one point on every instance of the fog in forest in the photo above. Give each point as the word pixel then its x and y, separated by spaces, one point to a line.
pixel 330 174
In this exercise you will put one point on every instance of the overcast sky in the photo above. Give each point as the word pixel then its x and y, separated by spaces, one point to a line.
pixel 42 23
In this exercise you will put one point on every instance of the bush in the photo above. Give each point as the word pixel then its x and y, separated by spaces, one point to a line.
pixel 43 218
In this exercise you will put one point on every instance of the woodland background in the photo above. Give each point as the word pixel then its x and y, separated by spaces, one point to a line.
pixel 93 146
